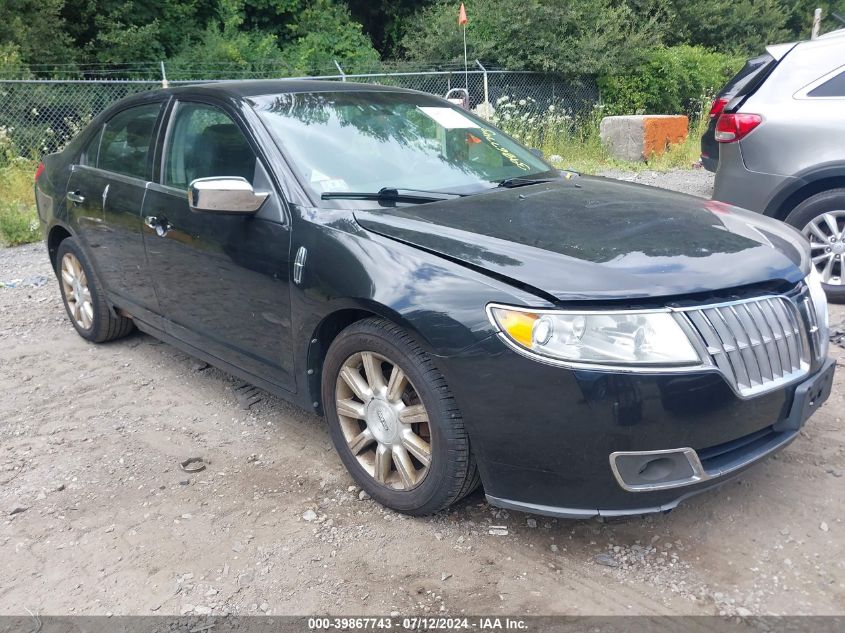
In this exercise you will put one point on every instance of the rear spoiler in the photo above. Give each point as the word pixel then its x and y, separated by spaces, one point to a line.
pixel 779 50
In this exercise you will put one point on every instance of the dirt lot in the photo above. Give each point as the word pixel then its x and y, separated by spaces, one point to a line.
pixel 97 517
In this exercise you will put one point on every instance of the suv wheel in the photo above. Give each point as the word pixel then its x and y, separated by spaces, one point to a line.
pixel 822 219
pixel 393 420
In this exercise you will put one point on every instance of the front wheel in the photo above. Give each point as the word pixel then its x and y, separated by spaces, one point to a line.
pixel 393 420
pixel 822 220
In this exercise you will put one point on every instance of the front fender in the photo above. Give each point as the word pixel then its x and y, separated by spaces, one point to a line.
pixel 350 273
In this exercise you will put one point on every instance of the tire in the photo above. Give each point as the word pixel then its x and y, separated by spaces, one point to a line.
pixel 832 202
pixel 451 473
pixel 93 319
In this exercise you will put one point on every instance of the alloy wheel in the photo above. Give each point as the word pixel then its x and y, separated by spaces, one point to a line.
pixel 826 233
pixel 384 422
pixel 76 291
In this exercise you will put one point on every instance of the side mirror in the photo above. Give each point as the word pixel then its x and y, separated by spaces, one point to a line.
pixel 537 152
pixel 225 196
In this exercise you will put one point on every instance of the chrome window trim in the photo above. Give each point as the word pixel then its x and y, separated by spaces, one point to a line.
pixel 707 364
pixel 804 93
pixel 129 180
pixel 173 191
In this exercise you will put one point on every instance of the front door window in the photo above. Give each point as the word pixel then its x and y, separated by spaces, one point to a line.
pixel 205 142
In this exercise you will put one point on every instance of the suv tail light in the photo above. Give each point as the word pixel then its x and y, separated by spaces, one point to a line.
pixel 717 107
pixel 39 170
pixel 733 127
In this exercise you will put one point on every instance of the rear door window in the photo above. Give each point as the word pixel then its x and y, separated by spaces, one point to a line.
pixel 89 154
pixel 126 141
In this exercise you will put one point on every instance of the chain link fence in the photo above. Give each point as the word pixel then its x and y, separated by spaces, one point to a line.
pixel 41 116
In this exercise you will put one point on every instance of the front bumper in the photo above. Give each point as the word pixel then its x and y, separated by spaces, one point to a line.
pixel 543 435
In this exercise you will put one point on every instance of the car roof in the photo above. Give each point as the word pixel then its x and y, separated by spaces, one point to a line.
pixel 242 89
pixel 832 34
pixel 779 50
pixel 253 88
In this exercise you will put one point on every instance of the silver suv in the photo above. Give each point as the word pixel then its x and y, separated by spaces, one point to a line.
pixel 782 148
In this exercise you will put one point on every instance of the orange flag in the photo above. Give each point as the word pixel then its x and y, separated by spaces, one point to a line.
pixel 462 16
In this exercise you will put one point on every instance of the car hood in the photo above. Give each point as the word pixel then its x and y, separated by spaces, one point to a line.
pixel 597 238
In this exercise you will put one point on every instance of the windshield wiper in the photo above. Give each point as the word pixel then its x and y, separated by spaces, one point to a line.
pixel 392 194
pixel 510 183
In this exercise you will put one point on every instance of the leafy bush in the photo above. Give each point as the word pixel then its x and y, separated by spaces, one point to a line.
pixel 18 219
pixel 18 225
pixel 671 80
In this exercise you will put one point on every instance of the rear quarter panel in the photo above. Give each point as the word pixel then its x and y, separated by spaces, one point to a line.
pixel 50 189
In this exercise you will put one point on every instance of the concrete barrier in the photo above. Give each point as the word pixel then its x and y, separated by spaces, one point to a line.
pixel 639 137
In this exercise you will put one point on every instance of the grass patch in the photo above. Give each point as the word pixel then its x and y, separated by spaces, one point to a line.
pixel 18 219
pixel 587 154
pixel 578 145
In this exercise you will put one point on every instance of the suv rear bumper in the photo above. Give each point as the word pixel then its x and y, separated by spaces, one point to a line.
pixel 737 185
pixel 710 164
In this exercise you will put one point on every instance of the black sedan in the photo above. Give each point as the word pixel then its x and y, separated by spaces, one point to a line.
pixel 459 311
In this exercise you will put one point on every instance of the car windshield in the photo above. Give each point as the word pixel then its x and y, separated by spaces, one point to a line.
pixel 364 141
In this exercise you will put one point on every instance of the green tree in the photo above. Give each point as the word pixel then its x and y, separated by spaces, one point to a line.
pixel 306 37
pixel 386 21
pixel 800 16
pixel 324 32
pixel 11 65
pixel 578 37
pixel 227 50
pixel 37 30
pixel 731 26
pixel 129 32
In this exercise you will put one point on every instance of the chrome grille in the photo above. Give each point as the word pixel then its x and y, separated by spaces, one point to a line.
pixel 758 344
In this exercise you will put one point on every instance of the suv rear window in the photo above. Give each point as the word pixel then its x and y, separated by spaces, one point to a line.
pixel 753 69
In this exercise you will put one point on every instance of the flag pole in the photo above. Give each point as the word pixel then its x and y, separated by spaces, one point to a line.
pixel 462 21
pixel 466 65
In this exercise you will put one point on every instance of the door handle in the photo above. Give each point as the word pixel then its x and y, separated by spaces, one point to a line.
pixel 75 197
pixel 160 225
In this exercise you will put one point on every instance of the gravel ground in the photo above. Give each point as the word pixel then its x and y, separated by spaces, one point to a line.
pixel 697 182
pixel 97 517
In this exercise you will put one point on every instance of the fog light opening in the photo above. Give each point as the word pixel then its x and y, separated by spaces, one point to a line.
pixel 657 469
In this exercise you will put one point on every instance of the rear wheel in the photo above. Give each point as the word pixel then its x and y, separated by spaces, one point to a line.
pixel 84 297
pixel 822 219
pixel 394 421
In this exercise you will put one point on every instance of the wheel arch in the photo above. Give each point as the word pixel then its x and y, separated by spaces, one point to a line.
pixel 55 236
pixel 332 324
pixel 807 184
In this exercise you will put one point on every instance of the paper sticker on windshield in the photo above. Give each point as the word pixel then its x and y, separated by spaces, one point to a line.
pixel 325 183
pixel 448 118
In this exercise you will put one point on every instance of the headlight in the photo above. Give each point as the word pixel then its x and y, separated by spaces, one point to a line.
pixel 638 338
pixel 819 299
